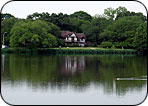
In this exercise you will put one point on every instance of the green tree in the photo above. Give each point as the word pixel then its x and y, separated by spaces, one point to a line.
pixel 34 16
pixel 50 41
pixel 32 34
pixel 122 30
pixel 93 29
pixel 140 38
pixel 110 13
pixel 81 15
pixel 121 12
pixel 6 26
pixel 106 44
pixel 6 16
pixel 54 29
pixel 77 23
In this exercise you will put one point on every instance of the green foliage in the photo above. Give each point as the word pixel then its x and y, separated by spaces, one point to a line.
pixel 32 34
pixel 93 29
pixel 50 41
pixel 106 44
pixel 71 22
pixel 121 44
pixel 122 31
pixel 77 24
pixel 81 15
pixel 110 12
pixel 140 38
pixel 6 16
pixel 60 42
pixel 43 29
pixel 6 26
pixel 121 12
pixel 55 30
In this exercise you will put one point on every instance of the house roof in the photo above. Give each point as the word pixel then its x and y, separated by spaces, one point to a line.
pixel 65 34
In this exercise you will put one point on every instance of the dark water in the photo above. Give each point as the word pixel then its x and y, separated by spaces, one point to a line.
pixel 73 79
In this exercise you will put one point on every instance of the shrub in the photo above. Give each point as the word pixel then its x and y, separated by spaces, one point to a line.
pixel 73 45
pixel 106 44
pixel 121 44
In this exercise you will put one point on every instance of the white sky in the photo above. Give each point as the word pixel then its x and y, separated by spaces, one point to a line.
pixel 21 9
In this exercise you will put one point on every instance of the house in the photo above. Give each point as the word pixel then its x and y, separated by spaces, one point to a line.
pixel 72 38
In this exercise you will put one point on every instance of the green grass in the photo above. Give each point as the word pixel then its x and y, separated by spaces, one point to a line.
pixel 91 48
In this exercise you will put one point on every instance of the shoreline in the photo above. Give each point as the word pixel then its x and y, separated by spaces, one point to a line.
pixel 95 51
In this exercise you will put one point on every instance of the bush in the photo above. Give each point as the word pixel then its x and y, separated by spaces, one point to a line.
pixel 73 45
pixel 106 44
pixel 121 44
pixel 60 42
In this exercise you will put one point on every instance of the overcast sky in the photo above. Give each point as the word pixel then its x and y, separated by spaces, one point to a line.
pixel 21 9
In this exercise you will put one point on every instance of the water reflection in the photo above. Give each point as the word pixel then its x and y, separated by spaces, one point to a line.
pixel 79 73
pixel 72 65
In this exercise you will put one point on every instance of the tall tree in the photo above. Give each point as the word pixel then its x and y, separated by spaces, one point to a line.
pixel 122 30
pixel 120 12
pixel 140 38
pixel 32 34
pixel 110 13
pixel 81 15
pixel 6 16
pixel 94 28
pixel 6 26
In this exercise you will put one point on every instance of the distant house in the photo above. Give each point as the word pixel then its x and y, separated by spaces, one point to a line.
pixel 71 38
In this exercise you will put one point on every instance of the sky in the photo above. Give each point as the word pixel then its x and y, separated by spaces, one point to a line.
pixel 21 9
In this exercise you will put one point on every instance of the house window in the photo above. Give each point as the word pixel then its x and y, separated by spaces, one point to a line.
pixel 69 38
pixel 75 39
pixel 82 40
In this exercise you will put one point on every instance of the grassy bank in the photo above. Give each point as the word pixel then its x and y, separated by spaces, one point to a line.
pixel 74 50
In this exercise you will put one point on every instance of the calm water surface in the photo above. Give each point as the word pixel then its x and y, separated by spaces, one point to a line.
pixel 73 79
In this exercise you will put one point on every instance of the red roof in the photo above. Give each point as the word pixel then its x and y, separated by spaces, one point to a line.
pixel 65 34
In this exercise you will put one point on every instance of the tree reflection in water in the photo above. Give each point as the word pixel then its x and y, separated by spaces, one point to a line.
pixel 77 72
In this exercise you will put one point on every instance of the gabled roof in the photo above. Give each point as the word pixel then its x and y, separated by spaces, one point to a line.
pixel 80 35
pixel 65 34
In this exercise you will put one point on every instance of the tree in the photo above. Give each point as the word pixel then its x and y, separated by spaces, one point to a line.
pixel 6 16
pixel 120 12
pixel 71 22
pixel 122 30
pixel 50 41
pixel 93 29
pixel 81 15
pixel 32 34
pixel 110 12
pixel 77 23
pixel 140 38
pixel 34 16
pixel 6 26
pixel 54 29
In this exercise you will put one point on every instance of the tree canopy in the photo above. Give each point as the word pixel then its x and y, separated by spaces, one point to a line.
pixel 32 34
pixel 6 16
pixel 122 31
pixel 6 26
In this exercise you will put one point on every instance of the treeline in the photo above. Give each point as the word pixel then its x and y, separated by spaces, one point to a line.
pixel 115 28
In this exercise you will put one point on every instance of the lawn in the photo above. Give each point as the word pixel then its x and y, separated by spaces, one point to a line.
pixel 91 48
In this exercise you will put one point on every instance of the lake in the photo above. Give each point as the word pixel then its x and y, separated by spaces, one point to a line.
pixel 73 79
